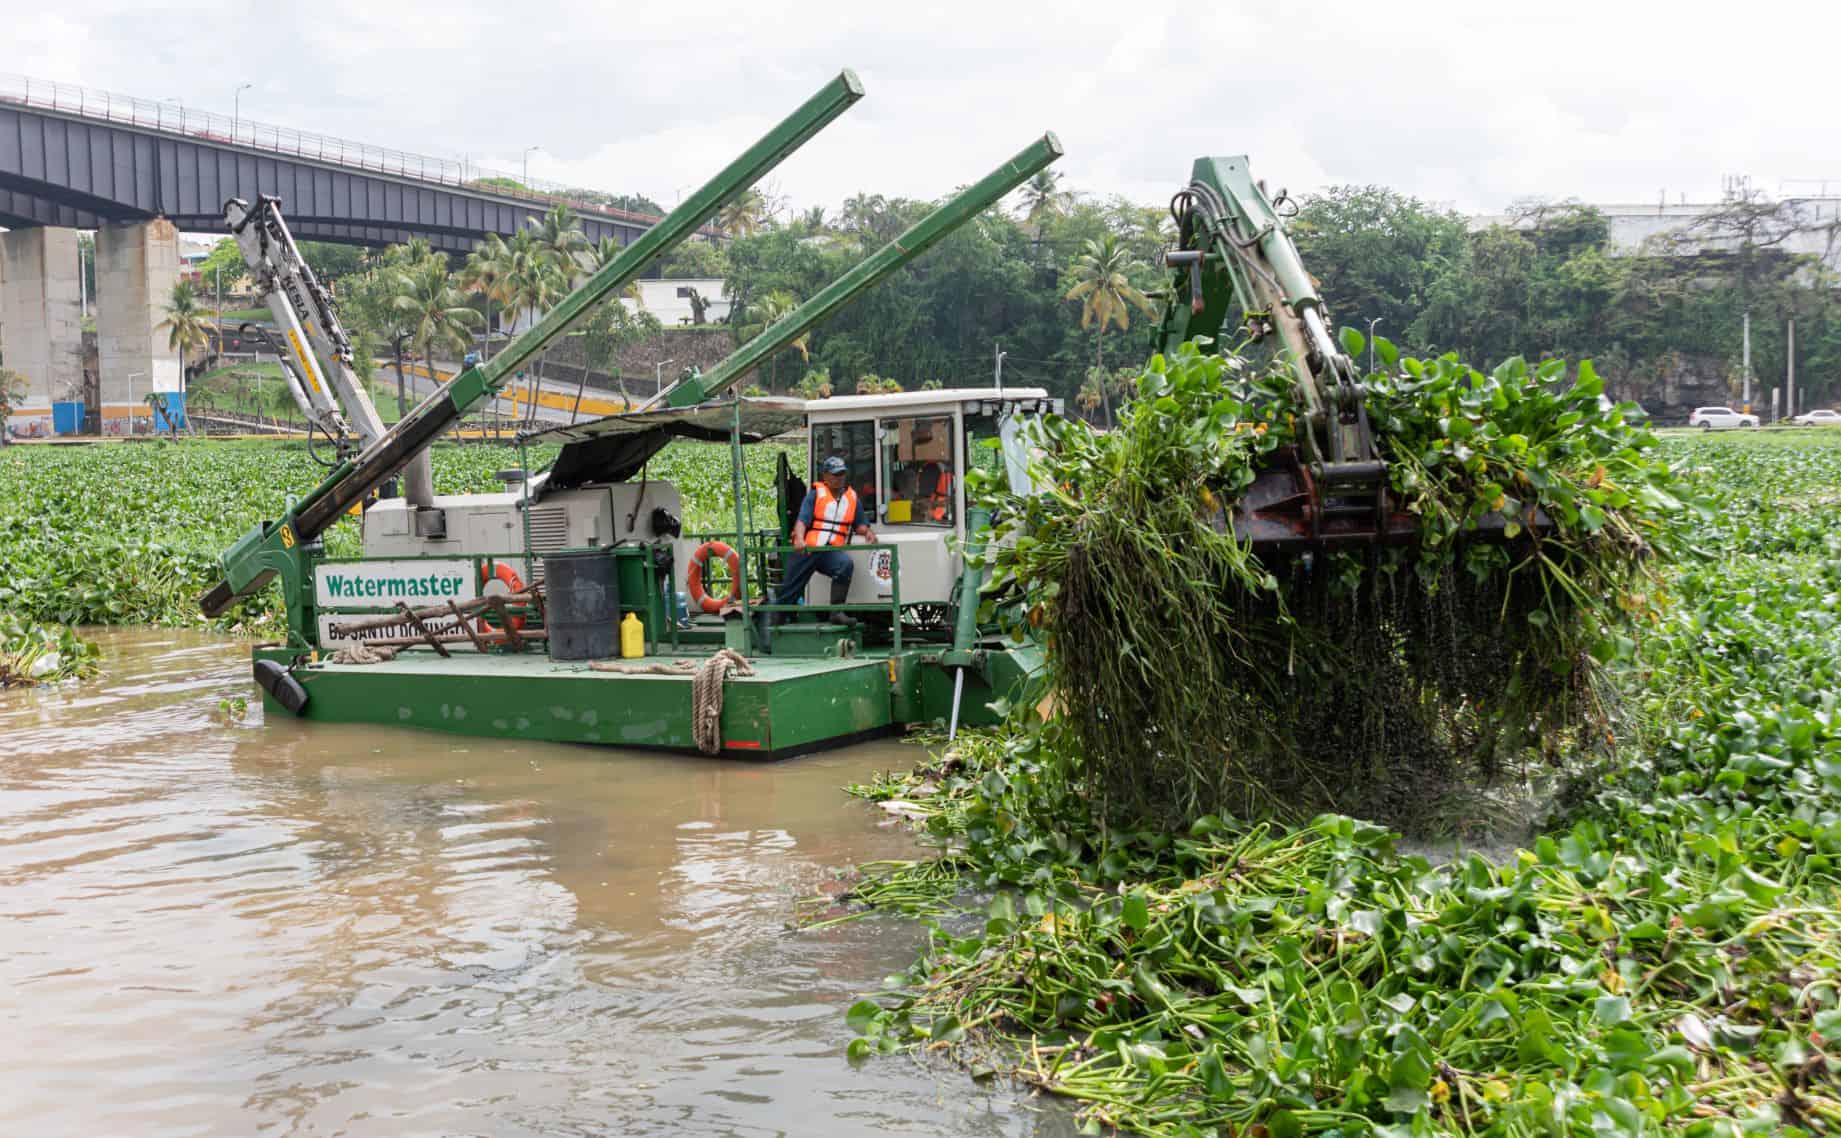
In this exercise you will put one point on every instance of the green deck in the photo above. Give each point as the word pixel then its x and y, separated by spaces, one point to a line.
pixel 789 705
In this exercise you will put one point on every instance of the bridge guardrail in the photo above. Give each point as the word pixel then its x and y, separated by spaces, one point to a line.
pixel 173 117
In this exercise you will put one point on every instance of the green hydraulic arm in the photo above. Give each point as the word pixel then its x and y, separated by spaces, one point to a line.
pixel 278 548
pixel 1234 263
pixel 918 238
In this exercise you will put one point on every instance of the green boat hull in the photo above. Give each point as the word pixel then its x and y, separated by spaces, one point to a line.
pixel 790 705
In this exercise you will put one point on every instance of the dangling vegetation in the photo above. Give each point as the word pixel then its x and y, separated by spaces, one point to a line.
pixel 1190 677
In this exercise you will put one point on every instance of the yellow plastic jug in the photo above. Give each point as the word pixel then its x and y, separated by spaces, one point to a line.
pixel 632 637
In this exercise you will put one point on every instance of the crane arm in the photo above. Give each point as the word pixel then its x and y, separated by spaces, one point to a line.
pixel 1235 264
pixel 278 548
pixel 316 354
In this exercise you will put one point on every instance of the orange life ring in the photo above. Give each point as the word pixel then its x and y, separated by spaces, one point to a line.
pixel 693 576
pixel 504 575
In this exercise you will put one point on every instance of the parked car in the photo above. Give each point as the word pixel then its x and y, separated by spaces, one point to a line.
pixel 1821 417
pixel 1720 418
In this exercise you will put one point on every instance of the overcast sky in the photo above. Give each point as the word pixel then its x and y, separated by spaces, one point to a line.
pixel 1467 104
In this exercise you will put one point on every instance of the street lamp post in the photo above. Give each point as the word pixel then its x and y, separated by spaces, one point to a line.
pixel 1371 325
pixel 658 377
pixel 236 108
pixel 527 166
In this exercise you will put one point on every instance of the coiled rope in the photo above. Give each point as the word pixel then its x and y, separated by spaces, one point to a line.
pixel 706 688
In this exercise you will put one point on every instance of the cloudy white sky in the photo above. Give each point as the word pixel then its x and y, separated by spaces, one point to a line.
pixel 1468 104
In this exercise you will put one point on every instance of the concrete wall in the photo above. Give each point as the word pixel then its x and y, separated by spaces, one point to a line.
pixel 136 267
pixel 43 313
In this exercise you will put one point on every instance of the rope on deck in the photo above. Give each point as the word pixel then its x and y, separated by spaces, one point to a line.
pixel 705 688
pixel 362 653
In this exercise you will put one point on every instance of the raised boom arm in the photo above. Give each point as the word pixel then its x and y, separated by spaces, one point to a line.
pixel 1234 263
pixel 276 548
pixel 315 352
pixel 1234 258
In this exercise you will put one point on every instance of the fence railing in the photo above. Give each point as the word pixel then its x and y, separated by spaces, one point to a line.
pixel 174 117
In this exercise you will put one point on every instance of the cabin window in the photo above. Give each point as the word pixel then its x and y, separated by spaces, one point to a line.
pixel 919 471
pixel 855 443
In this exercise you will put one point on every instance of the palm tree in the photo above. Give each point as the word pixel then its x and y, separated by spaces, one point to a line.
pixel 434 311
pixel 862 212
pixel 1103 286
pixel 814 219
pixel 561 237
pixel 533 282
pixel 1043 198
pixel 745 216
pixel 484 273
pixel 768 311
pixel 185 324
pixel 411 252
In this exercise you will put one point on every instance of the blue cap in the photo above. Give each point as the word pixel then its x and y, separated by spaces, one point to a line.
pixel 835 465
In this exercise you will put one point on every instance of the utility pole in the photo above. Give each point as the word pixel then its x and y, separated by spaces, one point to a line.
pixel 1775 402
pixel 1746 367
pixel 1789 400
pixel 1000 366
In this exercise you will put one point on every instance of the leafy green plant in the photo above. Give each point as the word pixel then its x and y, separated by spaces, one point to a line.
pixel 1659 960
pixel 1191 677
pixel 131 535
pixel 31 654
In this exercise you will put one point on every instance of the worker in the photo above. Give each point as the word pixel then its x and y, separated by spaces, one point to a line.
pixel 935 491
pixel 829 515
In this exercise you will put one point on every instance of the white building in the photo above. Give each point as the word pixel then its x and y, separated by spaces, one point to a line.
pixel 669 300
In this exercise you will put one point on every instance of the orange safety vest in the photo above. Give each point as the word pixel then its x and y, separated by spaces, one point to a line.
pixel 833 516
pixel 942 494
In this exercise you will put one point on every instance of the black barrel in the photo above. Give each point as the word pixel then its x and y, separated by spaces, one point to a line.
pixel 582 604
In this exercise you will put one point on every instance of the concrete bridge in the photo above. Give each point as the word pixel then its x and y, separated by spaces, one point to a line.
pixel 137 172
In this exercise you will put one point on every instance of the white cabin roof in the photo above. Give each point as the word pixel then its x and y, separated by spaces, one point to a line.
pixel 941 399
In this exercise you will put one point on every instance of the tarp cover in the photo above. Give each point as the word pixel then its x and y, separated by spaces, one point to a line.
pixel 613 448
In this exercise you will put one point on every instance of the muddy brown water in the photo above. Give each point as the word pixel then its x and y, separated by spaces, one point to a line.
pixel 210 928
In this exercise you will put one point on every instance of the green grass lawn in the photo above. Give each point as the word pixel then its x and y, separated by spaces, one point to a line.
pixel 240 315
pixel 259 389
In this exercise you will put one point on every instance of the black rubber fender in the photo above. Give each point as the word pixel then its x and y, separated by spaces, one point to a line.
pixel 281 686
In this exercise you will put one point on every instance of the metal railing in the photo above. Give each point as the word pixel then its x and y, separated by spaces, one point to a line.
pixel 174 117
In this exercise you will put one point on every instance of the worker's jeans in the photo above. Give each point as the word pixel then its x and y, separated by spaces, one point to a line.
pixel 833 563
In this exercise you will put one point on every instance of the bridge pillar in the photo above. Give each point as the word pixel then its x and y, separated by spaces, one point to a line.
pixel 136 268
pixel 42 314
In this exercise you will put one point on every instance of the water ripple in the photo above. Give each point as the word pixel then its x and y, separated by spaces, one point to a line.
pixel 218 928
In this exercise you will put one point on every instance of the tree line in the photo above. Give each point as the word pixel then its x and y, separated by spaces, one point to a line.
pixel 1068 284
